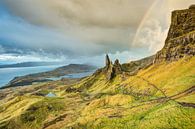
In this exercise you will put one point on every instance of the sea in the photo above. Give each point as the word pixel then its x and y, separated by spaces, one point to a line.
pixel 7 74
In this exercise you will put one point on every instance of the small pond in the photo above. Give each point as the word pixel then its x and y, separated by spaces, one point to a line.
pixel 50 94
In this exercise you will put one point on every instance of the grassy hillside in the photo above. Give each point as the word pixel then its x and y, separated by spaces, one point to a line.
pixel 165 79
pixel 160 96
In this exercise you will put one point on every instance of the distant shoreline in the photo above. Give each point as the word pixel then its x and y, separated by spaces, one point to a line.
pixel 28 64
pixel 37 74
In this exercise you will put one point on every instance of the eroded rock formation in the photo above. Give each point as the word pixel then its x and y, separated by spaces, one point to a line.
pixel 111 70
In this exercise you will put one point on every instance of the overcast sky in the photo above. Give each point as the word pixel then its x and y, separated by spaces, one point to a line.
pixel 82 31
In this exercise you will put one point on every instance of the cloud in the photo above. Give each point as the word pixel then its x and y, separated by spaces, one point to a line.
pixel 26 37
pixel 109 13
pixel 152 35
pixel 98 60
pixel 22 42
pixel 103 26
pixel 85 28
pixel 18 58
pixel 153 30
pixel 2 49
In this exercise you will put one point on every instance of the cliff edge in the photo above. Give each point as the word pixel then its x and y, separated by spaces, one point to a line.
pixel 180 40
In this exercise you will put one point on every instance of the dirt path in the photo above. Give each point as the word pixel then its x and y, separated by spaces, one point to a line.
pixel 166 98
pixel 184 104
pixel 153 85
pixel 191 90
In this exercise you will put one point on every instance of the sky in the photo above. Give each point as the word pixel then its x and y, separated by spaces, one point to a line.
pixel 83 31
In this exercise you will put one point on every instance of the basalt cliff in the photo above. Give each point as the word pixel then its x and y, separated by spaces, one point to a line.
pixel 180 41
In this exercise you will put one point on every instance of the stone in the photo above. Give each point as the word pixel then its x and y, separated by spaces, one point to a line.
pixel 112 70
pixel 117 67
pixel 107 60
pixel 180 41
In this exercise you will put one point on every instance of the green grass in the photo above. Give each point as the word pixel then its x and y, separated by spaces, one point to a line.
pixel 96 103
pixel 16 106
pixel 35 114
pixel 169 115
pixel 178 74
pixel 38 112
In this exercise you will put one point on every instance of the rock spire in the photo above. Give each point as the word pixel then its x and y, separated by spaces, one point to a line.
pixel 111 70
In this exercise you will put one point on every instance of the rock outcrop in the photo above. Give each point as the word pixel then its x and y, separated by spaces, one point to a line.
pixel 180 41
pixel 117 67
pixel 111 70
pixel 108 62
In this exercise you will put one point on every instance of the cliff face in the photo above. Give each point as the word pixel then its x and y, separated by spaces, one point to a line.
pixel 181 37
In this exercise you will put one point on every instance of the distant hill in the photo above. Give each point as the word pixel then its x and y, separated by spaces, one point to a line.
pixel 44 76
pixel 28 64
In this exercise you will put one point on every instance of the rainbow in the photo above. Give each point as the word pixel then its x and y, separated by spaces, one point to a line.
pixel 143 20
